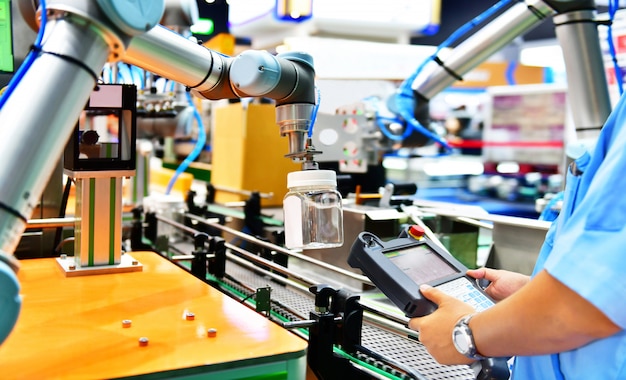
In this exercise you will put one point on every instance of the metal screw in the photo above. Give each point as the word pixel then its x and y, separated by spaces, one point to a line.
pixel 143 341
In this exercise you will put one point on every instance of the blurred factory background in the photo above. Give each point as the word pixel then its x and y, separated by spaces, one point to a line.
pixel 363 50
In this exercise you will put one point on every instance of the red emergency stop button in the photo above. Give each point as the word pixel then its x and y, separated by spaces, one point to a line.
pixel 416 231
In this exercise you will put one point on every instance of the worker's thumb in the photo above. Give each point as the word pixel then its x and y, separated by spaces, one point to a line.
pixel 433 294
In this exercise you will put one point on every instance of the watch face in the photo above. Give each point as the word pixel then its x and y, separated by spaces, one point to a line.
pixel 461 341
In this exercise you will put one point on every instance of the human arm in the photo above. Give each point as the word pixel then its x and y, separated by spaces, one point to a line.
pixel 503 283
pixel 543 317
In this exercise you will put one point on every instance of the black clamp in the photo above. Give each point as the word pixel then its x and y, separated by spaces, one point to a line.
pixel 200 253
pixel 337 320
pixel 209 256
pixel 137 231
pixel 216 260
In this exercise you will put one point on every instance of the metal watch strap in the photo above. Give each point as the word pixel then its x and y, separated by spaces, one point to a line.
pixel 462 327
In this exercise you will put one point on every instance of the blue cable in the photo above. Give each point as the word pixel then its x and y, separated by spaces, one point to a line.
pixel 405 105
pixel 30 58
pixel 510 73
pixel 196 150
pixel 137 75
pixel 404 97
pixel 474 22
pixel 613 7
pixel 200 143
pixel 124 73
pixel 380 121
pixel 315 109
pixel 463 30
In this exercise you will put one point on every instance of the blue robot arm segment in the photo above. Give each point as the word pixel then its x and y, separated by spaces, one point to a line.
pixel 10 300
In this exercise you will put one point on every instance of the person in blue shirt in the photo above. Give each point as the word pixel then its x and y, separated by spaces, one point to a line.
pixel 566 320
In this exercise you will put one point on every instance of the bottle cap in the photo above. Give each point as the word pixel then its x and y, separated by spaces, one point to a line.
pixel 312 178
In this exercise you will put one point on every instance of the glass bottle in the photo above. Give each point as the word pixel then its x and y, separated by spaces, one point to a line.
pixel 312 210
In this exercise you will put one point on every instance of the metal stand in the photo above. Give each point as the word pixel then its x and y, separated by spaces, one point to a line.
pixel 71 269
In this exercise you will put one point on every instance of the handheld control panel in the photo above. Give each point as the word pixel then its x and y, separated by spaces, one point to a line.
pixel 398 267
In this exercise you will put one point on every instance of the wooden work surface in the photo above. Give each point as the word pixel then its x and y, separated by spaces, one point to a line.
pixel 71 327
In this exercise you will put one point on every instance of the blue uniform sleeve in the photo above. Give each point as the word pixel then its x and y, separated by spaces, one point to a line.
pixel 589 250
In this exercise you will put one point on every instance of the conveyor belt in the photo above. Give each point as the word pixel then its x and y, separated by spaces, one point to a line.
pixel 295 304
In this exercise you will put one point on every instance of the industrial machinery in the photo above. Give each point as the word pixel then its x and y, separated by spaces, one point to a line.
pixel 576 29
pixel 79 38
pixel 349 336
pixel 359 138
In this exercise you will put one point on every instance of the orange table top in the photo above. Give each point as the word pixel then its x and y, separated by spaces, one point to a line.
pixel 71 327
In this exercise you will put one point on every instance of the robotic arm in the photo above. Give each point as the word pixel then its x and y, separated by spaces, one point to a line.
pixel 83 35
pixel 39 115
pixel 576 29
pixel 288 78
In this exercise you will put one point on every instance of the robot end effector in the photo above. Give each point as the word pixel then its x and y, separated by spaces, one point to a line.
pixel 289 78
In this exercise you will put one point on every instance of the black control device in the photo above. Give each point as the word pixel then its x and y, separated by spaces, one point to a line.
pixel 398 267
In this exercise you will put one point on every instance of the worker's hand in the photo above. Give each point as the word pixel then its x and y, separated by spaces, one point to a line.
pixel 435 330
pixel 503 282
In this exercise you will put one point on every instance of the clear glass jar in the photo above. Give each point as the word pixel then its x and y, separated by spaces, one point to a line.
pixel 170 206
pixel 312 210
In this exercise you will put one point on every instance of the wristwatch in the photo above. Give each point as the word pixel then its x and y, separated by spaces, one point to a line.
pixel 463 339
